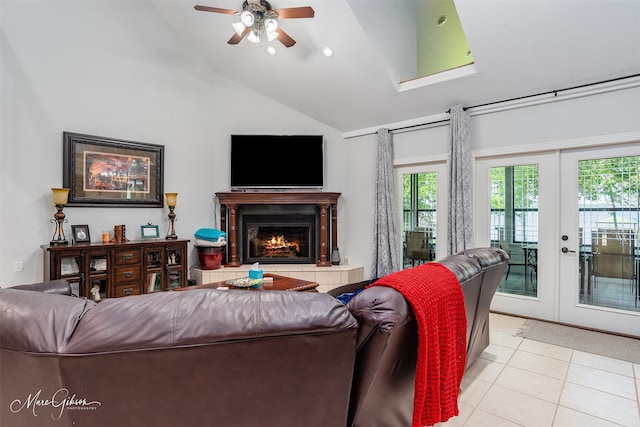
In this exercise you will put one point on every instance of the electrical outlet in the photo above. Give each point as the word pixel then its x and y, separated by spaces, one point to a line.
pixel 17 266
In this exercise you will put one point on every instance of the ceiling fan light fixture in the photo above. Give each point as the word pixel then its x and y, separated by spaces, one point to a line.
pixel 271 25
pixel 328 52
pixel 238 27
pixel 259 19
pixel 272 50
pixel 247 18
pixel 253 37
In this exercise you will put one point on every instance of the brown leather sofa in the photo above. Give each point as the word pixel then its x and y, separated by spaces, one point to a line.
pixel 222 358
pixel 383 384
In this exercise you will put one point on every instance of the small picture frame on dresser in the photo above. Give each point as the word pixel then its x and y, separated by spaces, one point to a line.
pixel 80 233
pixel 149 231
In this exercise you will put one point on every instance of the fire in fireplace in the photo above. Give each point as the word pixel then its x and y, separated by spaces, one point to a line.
pixel 279 238
pixel 276 246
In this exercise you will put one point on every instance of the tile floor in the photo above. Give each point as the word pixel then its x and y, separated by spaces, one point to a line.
pixel 521 382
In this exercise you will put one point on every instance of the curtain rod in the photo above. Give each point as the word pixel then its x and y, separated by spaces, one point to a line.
pixel 554 92
pixel 440 118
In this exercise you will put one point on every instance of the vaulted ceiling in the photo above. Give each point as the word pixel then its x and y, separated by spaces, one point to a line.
pixel 518 48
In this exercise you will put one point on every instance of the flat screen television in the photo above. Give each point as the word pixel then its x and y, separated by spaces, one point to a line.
pixel 277 161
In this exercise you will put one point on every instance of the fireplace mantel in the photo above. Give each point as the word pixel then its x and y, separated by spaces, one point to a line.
pixel 230 201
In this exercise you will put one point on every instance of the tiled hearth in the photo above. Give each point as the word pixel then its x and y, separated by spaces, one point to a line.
pixel 326 277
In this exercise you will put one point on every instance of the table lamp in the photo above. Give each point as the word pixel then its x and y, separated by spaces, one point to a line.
pixel 171 202
pixel 60 198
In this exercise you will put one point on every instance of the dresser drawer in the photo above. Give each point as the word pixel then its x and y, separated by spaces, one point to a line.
pixel 126 290
pixel 127 273
pixel 127 256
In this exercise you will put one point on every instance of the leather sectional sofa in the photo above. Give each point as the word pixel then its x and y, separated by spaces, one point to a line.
pixel 222 358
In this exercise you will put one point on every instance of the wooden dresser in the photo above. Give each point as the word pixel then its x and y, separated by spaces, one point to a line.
pixel 119 269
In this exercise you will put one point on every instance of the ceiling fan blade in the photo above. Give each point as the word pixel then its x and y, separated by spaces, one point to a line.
pixel 215 9
pixel 237 38
pixel 285 38
pixel 295 12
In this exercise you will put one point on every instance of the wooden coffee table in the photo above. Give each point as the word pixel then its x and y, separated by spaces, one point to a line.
pixel 272 282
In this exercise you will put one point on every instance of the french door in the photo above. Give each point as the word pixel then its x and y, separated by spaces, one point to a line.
pixel 598 239
pixel 570 219
pixel 515 205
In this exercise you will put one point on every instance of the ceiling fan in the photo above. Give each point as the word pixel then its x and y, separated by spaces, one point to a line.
pixel 257 19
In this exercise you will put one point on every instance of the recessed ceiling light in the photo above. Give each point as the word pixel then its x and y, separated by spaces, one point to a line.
pixel 328 52
pixel 272 50
pixel 442 20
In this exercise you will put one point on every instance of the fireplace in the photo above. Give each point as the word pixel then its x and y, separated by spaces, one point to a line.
pixel 281 239
pixel 288 215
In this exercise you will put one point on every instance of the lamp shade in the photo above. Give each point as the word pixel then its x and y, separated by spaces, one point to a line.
pixel 60 196
pixel 247 18
pixel 272 36
pixel 253 37
pixel 238 27
pixel 270 25
pixel 172 199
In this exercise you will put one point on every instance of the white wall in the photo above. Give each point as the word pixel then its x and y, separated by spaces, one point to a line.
pixel 115 69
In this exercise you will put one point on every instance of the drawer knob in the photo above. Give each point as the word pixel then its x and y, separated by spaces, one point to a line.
pixel 128 291
pixel 127 274
pixel 127 257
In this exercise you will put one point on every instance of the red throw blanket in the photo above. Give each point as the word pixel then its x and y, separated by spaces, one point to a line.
pixel 436 298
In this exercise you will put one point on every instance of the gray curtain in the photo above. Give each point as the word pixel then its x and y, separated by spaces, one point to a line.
pixel 385 247
pixel 460 226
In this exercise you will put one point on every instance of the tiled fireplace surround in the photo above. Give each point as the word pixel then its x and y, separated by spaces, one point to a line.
pixel 326 275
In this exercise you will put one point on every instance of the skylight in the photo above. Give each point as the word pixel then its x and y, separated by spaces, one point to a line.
pixel 421 42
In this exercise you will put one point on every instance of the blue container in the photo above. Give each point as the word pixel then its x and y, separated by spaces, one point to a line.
pixel 255 274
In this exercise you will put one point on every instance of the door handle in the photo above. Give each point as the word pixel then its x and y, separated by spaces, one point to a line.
pixel 565 250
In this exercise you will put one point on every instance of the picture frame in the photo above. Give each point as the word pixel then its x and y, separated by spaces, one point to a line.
pixel 81 233
pixel 110 172
pixel 149 231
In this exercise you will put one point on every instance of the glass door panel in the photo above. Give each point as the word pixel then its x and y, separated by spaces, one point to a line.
pixel 97 279
pixel 70 265
pixel 599 242
pixel 516 209
pixel 154 281
pixel 98 264
pixel 514 225
pixel 174 256
pixel 421 193
pixel 419 217
pixel 174 278
pixel 97 289
pixel 154 271
pixel 608 217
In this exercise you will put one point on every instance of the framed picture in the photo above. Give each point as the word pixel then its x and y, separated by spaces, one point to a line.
pixel 81 233
pixel 149 231
pixel 112 173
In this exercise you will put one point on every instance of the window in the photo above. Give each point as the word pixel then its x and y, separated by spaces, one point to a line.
pixel 419 217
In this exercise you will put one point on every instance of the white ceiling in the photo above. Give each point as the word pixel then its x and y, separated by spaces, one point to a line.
pixel 520 47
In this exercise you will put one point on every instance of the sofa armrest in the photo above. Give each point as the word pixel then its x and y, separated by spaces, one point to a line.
pixel 37 322
pixel 348 288
pixel 58 287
